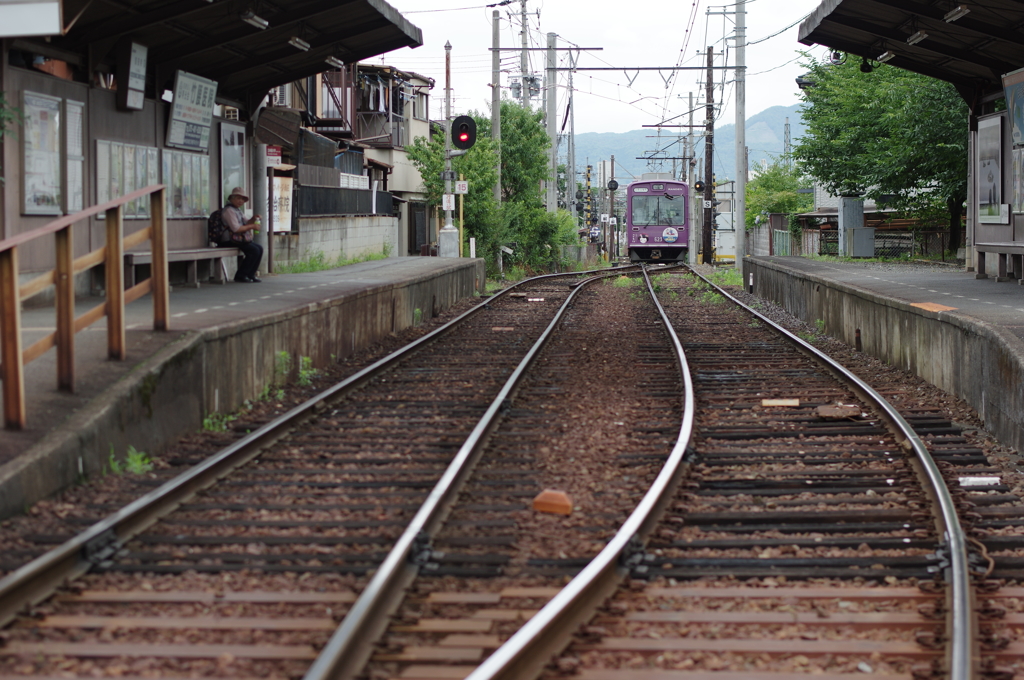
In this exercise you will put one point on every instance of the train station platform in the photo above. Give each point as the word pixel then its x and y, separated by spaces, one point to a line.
pixel 960 333
pixel 219 352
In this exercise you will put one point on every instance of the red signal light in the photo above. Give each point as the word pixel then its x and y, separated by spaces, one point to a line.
pixel 463 132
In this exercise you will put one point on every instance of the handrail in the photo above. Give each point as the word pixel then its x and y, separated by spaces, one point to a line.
pixel 12 358
pixel 67 220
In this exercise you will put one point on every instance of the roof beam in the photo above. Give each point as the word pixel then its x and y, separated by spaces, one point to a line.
pixel 243 31
pixel 899 61
pixel 930 45
pixel 968 23
pixel 329 43
pixel 108 30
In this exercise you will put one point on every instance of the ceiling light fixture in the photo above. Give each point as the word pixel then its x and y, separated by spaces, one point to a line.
pixel 885 56
pixel 956 13
pixel 335 62
pixel 916 38
pixel 249 17
pixel 298 43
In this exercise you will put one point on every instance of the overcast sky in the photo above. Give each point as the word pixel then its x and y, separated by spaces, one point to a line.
pixel 664 34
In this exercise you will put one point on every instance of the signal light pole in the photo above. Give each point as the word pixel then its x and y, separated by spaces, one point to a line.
pixel 448 238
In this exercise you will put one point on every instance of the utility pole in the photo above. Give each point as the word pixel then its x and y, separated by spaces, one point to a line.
pixel 588 209
pixel 551 99
pixel 786 145
pixel 694 214
pixel 523 62
pixel 739 221
pixel 570 185
pixel 496 98
pixel 709 159
pixel 448 238
pixel 613 230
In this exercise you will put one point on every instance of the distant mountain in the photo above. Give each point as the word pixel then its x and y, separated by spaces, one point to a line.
pixel 765 140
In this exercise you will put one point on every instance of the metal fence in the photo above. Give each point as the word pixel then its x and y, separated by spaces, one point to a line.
pixel 933 243
pixel 331 202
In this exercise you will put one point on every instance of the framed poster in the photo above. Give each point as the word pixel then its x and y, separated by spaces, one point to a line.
pixel 187 177
pixel 128 182
pixel 41 161
pixel 141 177
pixel 990 172
pixel 1013 90
pixel 1018 180
pixel 74 146
pixel 102 171
pixel 232 159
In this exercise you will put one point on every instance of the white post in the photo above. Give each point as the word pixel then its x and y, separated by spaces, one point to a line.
pixel 448 238
pixel 739 223
pixel 472 247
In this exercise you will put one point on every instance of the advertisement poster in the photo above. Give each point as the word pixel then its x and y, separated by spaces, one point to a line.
pixel 42 158
pixel 1013 88
pixel 282 204
pixel 1018 180
pixel 990 175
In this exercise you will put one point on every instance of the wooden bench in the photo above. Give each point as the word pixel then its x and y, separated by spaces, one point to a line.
pixel 1012 249
pixel 191 255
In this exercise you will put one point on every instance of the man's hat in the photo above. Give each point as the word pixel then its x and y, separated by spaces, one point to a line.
pixel 238 191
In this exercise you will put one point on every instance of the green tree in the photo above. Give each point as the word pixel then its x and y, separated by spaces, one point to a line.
pixel 897 137
pixel 774 190
pixel 524 153
pixel 479 168
pixel 521 219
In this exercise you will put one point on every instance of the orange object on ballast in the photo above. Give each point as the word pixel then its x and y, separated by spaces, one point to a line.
pixel 554 501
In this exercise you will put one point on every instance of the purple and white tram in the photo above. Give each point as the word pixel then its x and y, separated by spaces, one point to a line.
pixel 656 220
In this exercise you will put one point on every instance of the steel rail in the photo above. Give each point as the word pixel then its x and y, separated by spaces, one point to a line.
pixel 351 645
pixel 37 580
pixel 549 630
pixel 961 656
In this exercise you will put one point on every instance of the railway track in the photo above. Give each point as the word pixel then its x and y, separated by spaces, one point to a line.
pixel 812 534
pixel 246 562
pixel 801 540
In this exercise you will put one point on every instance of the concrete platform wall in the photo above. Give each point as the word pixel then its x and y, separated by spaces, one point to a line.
pixel 978 362
pixel 217 369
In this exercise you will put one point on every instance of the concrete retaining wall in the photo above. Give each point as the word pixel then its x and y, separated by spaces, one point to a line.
pixel 351 235
pixel 980 363
pixel 217 369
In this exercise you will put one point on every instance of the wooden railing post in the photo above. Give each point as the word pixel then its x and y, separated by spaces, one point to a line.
pixel 114 266
pixel 161 288
pixel 13 374
pixel 65 283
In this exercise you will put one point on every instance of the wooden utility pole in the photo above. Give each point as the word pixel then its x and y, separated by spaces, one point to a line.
pixel 709 159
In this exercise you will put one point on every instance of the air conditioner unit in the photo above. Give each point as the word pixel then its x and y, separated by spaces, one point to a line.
pixel 280 96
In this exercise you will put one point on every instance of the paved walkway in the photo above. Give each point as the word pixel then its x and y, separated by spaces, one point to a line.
pixel 925 285
pixel 191 310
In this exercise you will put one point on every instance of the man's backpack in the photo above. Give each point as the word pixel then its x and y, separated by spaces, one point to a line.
pixel 215 227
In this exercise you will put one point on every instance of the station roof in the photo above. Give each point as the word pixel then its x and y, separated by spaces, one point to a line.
pixel 222 39
pixel 971 51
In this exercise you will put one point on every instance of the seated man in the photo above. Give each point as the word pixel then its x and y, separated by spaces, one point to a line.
pixel 239 235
